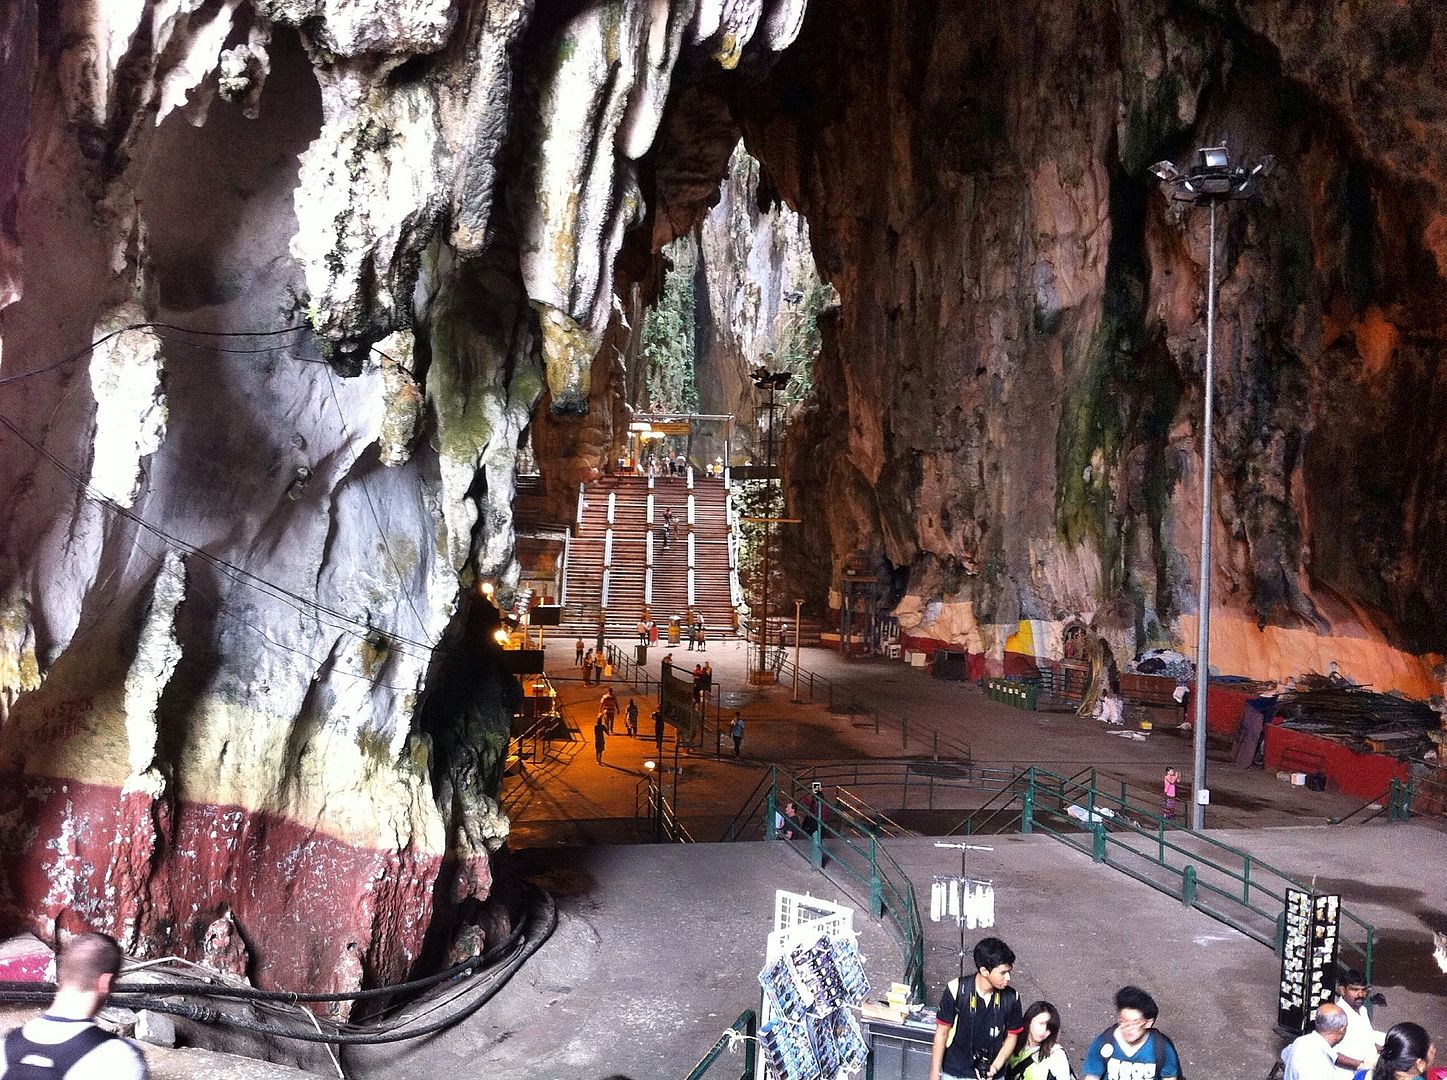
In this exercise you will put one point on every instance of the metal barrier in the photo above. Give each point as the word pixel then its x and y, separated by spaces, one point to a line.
pixel 837 841
pixel 1225 882
pixel 839 699
pixel 745 1027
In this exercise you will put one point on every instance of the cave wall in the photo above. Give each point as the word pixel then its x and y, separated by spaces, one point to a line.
pixel 1010 402
pixel 754 282
pixel 239 660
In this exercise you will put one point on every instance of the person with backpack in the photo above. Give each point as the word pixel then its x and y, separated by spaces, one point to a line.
pixel 1133 1049
pixel 64 1041
pixel 1040 1056
pixel 978 1022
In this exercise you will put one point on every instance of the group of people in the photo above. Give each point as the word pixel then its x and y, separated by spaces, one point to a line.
pixel 982 1031
pixel 663 465
pixel 608 715
pixel 1343 1045
pixel 594 663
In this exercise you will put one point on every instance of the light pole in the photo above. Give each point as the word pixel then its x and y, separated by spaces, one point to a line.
pixel 655 792
pixel 798 618
pixel 1211 180
pixel 772 381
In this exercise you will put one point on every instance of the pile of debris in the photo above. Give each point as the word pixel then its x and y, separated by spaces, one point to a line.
pixel 1338 709
pixel 1165 662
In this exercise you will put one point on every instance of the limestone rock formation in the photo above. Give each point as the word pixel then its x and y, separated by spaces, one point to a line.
pixel 334 255
pixel 355 253
pixel 1010 400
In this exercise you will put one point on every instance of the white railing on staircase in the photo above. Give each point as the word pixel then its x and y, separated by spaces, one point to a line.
pixel 691 509
pixel 607 548
pixel 648 586
pixel 612 505
pixel 649 518
pixel 604 601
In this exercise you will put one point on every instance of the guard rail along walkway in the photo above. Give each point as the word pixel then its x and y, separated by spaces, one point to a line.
pixel 841 843
pixel 1222 881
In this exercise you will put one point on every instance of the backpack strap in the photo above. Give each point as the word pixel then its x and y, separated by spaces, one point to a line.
pixel 26 1059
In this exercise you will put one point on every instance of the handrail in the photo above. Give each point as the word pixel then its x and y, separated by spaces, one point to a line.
pixel 1250 900
pixel 891 893
pixel 747 1027
pixel 650 804
pixel 840 699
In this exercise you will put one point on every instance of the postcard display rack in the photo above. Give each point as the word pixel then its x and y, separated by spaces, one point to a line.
pixel 1308 957
pixel 812 980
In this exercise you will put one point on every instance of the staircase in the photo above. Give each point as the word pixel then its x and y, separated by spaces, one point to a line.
pixel 620 552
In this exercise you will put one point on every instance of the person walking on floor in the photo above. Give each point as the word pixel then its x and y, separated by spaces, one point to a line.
pixel 702 638
pixel 588 668
pixel 737 731
pixel 1168 788
pixel 631 717
pixel 578 653
pixel 608 706
pixel 600 738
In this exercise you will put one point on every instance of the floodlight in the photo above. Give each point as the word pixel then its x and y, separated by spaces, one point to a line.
pixel 1214 157
pixel 1165 170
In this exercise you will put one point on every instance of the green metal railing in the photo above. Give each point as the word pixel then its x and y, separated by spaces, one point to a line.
pixel 1214 877
pixel 841 843
pixel 747 1026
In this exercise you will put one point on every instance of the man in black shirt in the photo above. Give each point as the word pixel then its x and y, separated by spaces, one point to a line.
pixel 979 1023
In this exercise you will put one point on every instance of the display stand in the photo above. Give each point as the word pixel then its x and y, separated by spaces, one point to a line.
pixel 968 901
pixel 813 974
pixel 1308 958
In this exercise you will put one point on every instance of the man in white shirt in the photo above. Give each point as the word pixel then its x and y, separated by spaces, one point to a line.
pixel 1313 1055
pixel 1359 1048
pixel 64 1041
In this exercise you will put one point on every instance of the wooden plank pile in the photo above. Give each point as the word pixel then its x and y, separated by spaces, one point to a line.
pixel 1338 709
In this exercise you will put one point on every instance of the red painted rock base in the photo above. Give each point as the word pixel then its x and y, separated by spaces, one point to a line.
pixel 157 873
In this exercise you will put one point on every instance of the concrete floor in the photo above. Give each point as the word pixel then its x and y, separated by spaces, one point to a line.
pixel 658 947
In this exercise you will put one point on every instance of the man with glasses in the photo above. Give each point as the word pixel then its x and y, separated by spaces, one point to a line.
pixel 1133 1049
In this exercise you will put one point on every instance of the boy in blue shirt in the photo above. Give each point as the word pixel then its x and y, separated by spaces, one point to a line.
pixel 1133 1049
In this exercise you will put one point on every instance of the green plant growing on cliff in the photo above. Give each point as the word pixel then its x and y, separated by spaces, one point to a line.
pixel 668 335
pixel 800 340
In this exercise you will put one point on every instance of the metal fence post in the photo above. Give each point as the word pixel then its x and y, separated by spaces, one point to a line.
pixel 1188 886
pixel 937 746
pixel 1280 943
pixel 816 844
pixel 1098 847
pixel 904 731
pixel 771 804
pixel 1246 879
pixel 1027 806
pixel 876 886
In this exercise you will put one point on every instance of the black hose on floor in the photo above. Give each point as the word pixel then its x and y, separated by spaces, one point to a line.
pixel 526 939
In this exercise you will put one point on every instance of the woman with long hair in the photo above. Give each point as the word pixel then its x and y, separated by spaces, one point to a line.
pixel 1407 1053
pixel 1039 1056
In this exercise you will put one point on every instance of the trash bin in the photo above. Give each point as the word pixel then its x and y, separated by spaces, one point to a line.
pixel 640 654
pixel 673 634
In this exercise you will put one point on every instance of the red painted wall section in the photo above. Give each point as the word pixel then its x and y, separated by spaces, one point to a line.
pixel 1364 776
pixel 1223 709
pixel 90 861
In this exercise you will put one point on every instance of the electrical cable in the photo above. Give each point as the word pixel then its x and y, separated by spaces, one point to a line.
pixel 88 349
pixel 304 605
pixel 538 928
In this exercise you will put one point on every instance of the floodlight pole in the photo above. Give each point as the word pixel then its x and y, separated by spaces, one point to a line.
pixel 1203 594
pixel 1212 180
